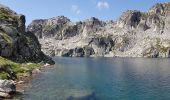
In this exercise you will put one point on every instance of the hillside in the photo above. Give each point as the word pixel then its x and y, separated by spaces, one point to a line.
pixel 15 43
pixel 134 34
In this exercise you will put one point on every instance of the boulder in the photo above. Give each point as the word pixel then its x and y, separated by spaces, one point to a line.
pixel 7 87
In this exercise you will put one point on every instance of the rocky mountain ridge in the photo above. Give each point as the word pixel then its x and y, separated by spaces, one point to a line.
pixel 134 34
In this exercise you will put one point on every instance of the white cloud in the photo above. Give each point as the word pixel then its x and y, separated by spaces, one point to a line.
pixel 75 9
pixel 103 5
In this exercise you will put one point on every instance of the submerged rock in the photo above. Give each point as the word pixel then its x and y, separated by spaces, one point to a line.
pixel 91 96
pixel 76 94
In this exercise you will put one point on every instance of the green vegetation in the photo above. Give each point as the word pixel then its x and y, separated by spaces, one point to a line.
pixel 17 68
pixel 7 38
pixel 29 39
pixel 144 15
pixel 3 75
pixel 164 49
pixel 6 15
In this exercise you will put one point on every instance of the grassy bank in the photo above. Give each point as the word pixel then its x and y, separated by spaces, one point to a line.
pixel 18 70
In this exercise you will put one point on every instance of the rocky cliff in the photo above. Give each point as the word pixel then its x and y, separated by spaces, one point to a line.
pixel 134 34
pixel 15 43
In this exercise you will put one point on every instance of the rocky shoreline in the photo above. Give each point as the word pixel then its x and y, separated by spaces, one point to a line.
pixel 20 52
pixel 9 88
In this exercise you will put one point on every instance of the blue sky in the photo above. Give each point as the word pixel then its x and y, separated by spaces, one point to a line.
pixel 77 9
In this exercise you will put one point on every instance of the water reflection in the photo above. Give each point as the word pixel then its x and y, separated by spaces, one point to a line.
pixel 103 79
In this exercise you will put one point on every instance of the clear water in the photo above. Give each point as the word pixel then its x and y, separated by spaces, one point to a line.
pixel 102 79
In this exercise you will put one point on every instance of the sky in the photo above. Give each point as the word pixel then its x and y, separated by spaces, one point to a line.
pixel 77 10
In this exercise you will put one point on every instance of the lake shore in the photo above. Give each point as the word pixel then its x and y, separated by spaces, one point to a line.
pixel 22 81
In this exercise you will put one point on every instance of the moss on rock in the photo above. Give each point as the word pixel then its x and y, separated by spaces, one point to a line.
pixel 16 68
pixel 6 15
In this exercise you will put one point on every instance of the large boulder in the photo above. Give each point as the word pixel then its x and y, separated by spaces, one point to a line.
pixel 7 87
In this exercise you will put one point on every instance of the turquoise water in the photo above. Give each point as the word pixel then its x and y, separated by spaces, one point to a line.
pixel 102 79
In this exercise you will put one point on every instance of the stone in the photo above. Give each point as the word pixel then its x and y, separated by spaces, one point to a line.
pixel 36 71
pixel 21 82
pixel 4 95
pixel 7 87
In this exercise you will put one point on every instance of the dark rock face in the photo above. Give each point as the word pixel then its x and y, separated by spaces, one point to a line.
pixel 168 53
pixel 17 44
pixel 88 51
pixel 67 53
pixel 70 31
pixel 21 23
pixel 103 42
pixel 78 52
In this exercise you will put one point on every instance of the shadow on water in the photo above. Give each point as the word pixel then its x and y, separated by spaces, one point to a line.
pixel 16 96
